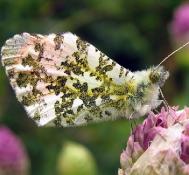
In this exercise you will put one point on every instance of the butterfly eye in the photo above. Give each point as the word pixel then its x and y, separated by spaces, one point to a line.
pixel 158 76
pixel 154 76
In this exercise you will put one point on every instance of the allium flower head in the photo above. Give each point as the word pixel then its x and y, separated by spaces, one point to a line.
pixel 13 157
pixel 179 32
pixel 159 146
pixel 180 23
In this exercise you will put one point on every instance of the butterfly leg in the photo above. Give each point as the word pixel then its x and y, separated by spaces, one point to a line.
pixel 131 121
pixel 131 116
pixel 164 100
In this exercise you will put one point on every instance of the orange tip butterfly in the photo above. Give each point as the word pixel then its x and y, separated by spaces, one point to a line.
pixel 62 80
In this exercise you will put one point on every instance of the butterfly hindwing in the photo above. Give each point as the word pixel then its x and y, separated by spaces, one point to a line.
pixel 63 80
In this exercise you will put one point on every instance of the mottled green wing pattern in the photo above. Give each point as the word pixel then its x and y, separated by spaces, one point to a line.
pixel 64 81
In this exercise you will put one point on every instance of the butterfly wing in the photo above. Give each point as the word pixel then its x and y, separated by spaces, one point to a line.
pixel 63 80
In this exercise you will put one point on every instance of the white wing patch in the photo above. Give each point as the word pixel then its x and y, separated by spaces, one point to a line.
pixel 64 81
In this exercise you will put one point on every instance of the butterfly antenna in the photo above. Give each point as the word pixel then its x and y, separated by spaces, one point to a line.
pixel 167 57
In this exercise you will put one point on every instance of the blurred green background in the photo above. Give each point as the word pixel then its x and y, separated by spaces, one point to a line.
pixel 134 33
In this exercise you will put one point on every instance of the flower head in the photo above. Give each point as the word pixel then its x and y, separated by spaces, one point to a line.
pixel 179 34
pixel 13 157
pixel 158 146
pixel 180 23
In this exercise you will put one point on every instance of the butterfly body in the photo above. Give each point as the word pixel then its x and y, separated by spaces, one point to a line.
pixel 64 81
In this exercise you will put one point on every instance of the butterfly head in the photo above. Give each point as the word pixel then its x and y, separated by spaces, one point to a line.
pixel 158 75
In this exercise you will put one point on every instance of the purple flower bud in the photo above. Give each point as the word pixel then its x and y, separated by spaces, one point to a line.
pixel 185 145
pixel 13 157
pixel 185 149
pixel 180 23
pixel 186 131
pixel 149 136
pixel 179 34
pixel 160 145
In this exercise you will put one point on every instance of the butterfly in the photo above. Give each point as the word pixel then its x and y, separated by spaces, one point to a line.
pixel 62 80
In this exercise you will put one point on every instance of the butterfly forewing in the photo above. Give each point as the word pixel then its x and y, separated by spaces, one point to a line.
pixel 63 80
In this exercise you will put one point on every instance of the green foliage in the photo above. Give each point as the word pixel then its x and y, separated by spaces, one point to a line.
pixel 75 159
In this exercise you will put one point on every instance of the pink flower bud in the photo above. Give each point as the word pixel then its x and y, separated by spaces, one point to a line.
pixel 180 23
pixel 13 157
pixel 179 33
